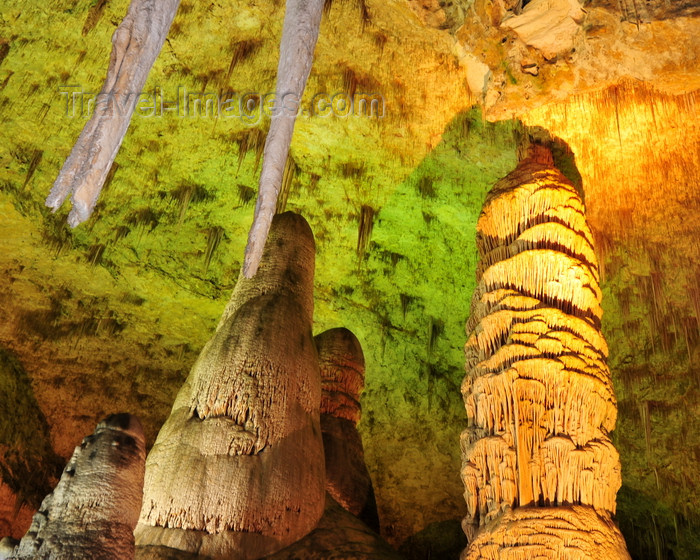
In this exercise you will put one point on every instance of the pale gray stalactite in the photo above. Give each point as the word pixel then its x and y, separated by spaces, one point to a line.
pixel 92 512
pixel 135 46
pixel 302 20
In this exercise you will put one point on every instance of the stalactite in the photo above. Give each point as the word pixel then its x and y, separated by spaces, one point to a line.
pixel 33 164
pixel 237 471
pixel 94 15
pixel 364 230
pixel 242 51
pixel 186 194
pixel 4 51
pixel 290 170
pixel 135 45
pixel 342 365
pixel 539 470
pixel 214 236
pixel 635 157
pixel 302 19
pixel 252 139
pixel 92 512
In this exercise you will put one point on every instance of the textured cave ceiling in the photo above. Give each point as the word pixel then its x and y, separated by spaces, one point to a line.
pixel 111 315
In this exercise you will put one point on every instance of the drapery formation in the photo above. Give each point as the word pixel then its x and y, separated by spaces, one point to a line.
pixel 539 469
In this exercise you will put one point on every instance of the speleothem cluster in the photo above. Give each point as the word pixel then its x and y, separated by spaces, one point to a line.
pixel 539 469
pixel 266 423
pixel 238 470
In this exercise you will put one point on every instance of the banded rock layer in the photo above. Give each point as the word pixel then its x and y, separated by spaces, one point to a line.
pixel 92 512
pixel 237 470
pixel 538 392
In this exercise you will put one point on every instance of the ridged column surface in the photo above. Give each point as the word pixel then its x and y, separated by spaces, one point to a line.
pixel 539 470
pixel 92 512
pixel 342 365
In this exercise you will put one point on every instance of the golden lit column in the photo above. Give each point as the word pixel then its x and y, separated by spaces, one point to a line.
pixel 539 469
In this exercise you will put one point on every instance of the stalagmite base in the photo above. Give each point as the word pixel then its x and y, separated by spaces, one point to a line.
pixel 539 469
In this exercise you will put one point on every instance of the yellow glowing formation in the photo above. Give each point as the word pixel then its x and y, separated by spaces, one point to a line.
pixel 539 469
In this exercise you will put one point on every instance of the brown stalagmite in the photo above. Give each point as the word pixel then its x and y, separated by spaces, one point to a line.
pixel 342 380
pixel 93 510
pixel 539 470
pixel 237 470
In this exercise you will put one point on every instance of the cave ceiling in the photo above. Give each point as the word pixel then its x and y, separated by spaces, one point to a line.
pixel 111 315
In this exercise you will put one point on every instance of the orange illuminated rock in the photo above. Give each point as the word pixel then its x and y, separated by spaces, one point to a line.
pixel 549 26
pixel 342 380
pixel 237 471
pixel 93 510
pixel 538 393
pixel 566 532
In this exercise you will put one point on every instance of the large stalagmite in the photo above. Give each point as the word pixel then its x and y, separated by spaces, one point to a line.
pixel 539 469
pixel 342 380
pixel 237 471
pixel 93 510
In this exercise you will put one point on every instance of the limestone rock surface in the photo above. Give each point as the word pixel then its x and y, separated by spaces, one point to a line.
pixel 342 367
pixel 339 535
pixel 548 25
pixel 7 546
pixel 538 392
pixel 571 532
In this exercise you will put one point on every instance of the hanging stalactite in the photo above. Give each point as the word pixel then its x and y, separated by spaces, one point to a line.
pixel 302 19
pixel 135 45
